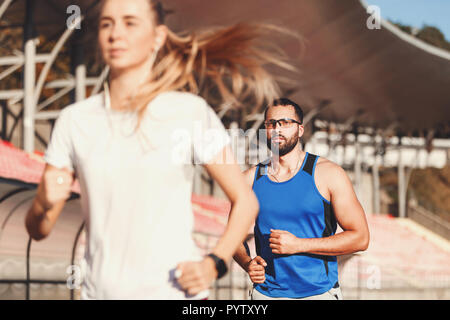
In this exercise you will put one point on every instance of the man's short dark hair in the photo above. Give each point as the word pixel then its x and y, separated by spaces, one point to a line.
pixel 286 102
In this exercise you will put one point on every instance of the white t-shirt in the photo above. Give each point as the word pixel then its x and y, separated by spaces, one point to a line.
pixel 136 189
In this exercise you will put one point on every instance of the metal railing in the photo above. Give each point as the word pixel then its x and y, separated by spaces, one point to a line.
pixel 27 282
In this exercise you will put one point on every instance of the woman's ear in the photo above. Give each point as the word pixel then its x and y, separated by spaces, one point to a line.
pixel 160 36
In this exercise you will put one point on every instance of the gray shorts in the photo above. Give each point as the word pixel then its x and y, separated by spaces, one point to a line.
pixel 332 294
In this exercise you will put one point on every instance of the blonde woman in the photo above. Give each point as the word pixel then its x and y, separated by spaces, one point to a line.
pixel 135 192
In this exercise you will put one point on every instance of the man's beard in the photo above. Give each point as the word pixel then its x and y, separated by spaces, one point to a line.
pixel 283 148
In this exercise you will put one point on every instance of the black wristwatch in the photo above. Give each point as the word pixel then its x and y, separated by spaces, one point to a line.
pixel 221 266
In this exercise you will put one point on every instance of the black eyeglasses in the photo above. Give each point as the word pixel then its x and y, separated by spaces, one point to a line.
pixel 284 123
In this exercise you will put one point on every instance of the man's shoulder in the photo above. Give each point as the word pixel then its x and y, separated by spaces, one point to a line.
pixel 327 167
pixel 331 174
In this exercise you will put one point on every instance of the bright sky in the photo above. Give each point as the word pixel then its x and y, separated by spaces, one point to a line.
pixel 416 13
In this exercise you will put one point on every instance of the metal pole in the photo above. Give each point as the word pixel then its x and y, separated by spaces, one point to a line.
pixel 4 6
pixel 329 142
pixel 28 271
pixel 100 80
pixel 313 143
pixel 29 104
pixel 79 67
pixel 80 85
pixel 4 120
pixel 357 166
pixel 401 182
pixel 376 183
pixel 195 183
pixel 74 249
pixel 52 57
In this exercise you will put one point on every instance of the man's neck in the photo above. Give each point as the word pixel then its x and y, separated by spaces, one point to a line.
pixel 288 163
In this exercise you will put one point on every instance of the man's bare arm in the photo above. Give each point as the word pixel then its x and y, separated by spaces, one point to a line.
pixel 349 214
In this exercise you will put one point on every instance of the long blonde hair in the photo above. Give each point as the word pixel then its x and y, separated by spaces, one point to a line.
pixel 226 65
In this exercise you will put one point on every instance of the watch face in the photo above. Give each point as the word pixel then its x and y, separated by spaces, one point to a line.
pixel 221 266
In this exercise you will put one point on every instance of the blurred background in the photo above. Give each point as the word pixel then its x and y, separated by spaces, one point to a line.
pixel 374 85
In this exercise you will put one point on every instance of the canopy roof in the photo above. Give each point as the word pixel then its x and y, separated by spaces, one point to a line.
pixel 380 77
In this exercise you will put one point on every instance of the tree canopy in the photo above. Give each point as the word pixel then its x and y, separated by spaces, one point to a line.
pixel 429 34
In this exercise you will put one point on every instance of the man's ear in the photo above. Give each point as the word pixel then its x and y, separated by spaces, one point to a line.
pixel 301 131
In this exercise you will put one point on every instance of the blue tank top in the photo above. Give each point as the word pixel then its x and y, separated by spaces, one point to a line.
pixel 295 206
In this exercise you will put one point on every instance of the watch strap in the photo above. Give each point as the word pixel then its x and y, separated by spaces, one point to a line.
pixel 221 266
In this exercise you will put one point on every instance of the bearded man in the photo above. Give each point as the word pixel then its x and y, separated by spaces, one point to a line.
pixel 302 197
